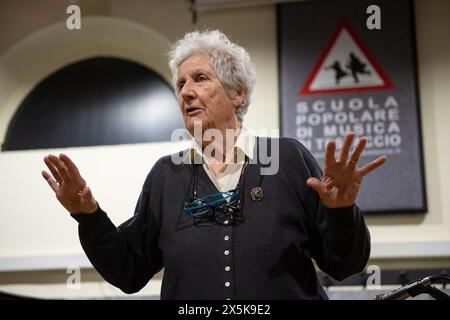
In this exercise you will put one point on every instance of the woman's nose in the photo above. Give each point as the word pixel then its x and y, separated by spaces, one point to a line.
pixel 188 92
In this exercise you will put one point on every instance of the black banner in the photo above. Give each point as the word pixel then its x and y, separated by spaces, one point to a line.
pixel 351 66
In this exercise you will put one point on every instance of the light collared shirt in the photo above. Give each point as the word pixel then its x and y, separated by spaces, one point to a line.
pixel 227 177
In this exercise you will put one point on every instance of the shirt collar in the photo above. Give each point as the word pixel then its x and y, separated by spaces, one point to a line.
pixel 245 144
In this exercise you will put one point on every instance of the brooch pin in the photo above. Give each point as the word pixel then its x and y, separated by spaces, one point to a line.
pixel 257 194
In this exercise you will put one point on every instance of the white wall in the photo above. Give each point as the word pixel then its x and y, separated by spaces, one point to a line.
pixel 33 212
pixel 33 223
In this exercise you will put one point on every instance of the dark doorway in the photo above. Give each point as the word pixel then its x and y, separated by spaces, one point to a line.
pixel 99 101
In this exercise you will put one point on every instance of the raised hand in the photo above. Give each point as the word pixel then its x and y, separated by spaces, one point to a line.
pixel 341 179
pixel 69 187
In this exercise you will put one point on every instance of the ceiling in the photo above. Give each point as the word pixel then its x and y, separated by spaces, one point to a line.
pixel 204 5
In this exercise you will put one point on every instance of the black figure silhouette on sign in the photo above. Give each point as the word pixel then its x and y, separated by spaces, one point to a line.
pixel 339 72
pixel 354 65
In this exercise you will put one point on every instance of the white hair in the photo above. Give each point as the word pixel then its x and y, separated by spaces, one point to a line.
pixel 231 62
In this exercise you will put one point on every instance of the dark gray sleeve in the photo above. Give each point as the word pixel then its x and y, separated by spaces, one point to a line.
pixel 339 238
pixel 127 256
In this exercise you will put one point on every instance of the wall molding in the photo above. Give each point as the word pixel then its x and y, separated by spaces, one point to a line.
pixel 413 250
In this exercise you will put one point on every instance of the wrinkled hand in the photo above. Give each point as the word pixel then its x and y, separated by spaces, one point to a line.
pixel 69 187
pixel 341 179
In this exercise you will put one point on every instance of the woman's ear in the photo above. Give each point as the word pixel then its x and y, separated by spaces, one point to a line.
pixel 239 98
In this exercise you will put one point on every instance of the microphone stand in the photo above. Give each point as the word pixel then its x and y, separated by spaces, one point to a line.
pixel 437 294
pixel 417 287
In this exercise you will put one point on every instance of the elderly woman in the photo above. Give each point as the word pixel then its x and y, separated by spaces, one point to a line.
pixel 220 228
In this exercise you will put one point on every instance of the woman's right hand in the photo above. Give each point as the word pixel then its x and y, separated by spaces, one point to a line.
pixel 69 187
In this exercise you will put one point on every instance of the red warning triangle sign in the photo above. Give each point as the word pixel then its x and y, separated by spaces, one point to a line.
pixel 345 65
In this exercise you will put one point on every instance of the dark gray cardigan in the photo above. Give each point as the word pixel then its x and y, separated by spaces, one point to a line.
pixel 268 255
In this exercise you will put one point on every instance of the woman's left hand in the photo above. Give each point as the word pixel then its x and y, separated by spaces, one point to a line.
pixel 341 178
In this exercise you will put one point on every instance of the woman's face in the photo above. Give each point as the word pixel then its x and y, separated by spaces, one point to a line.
pixel 203 98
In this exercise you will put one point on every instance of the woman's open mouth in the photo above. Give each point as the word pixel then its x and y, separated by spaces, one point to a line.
pixel 192 111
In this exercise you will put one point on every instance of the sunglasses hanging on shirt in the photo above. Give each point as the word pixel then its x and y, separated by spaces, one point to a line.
pixel 223 207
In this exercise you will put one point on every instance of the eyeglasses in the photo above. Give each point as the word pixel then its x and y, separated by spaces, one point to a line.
pixel 200 207
pixel 223 207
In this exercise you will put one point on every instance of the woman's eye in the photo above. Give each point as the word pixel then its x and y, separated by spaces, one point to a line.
pixel 201 77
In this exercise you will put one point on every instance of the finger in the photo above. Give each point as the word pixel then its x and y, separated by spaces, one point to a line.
pixel 343 155
pixel 51 182
pixel 329 154
pixel 71 167
pixel 60 166
pixel 317 185
pixel 354 158
pixel 372 165
pixel 52 169
pixel 328 183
